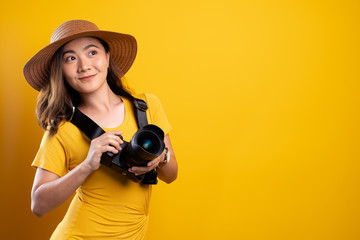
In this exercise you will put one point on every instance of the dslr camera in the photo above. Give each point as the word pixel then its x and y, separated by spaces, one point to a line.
pixel 146 145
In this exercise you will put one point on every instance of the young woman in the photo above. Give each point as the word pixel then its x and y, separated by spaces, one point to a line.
pixel 82 67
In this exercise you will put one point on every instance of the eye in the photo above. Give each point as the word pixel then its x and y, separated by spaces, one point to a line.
pixel 92 53
pixel 70 58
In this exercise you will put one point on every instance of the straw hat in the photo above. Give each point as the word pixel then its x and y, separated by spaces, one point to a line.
pixel 122 48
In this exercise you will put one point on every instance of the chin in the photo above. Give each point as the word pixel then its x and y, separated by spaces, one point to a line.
pixel 92 89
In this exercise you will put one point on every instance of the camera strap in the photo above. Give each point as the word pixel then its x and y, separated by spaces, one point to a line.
pixel 86 124
pixel 92 130
pixel 140 112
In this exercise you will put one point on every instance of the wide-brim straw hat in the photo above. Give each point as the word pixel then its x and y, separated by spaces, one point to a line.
pixel 122 49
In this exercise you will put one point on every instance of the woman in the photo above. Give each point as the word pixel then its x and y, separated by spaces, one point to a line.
pixel 82 67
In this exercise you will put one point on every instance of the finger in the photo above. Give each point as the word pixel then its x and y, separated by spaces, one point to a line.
pixel 115 143
pixel 109 148
pixel 117 134
pixel 156 162
pixel 119 139
pixel 111 139
pixel 116 137
pixel 139 170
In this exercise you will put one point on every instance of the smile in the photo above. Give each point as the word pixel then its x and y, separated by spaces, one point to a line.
pixel 87 77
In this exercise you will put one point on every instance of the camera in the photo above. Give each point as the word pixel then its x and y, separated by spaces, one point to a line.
pixel 146 145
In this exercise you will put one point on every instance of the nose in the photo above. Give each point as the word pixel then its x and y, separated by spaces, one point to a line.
pixel 84 65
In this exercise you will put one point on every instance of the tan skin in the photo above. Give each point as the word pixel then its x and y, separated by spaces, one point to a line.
pixel 85 64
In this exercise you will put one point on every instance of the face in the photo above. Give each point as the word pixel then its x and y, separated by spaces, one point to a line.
pixel 85 64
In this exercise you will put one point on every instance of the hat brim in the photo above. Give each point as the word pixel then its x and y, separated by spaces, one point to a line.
pixel 122 47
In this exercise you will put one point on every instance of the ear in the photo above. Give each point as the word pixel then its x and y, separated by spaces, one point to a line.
pixel 108 58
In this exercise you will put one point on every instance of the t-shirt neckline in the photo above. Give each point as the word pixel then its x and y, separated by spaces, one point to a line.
pixel 126 116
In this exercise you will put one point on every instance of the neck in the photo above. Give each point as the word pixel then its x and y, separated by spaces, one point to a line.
pixel 101 101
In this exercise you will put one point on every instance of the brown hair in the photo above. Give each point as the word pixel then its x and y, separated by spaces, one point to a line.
pixel 57 99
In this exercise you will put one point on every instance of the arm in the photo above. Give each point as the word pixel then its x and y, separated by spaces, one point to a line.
pixel 167 172
pixel 50 191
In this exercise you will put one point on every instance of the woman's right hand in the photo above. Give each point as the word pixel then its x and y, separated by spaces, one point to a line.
pixel 50 190
pixel 108 142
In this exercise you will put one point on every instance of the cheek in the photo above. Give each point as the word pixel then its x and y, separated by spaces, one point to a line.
pixel 101 65
pixel 68 77
pixel 67 72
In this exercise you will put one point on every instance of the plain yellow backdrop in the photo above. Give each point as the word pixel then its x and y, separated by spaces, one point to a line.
pixel 263 97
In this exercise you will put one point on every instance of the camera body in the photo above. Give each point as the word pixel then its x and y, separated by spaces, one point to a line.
pixel 146 145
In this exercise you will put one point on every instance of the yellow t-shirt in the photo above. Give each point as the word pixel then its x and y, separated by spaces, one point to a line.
pixel 107 205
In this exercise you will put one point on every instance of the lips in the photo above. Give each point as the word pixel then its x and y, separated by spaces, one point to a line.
pixel 85 78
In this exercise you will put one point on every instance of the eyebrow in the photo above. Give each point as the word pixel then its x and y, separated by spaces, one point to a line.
pixel 84 49
pixel 89 46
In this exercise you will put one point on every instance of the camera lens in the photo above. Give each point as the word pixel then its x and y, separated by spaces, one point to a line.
pixel 146 144
pixel 149 142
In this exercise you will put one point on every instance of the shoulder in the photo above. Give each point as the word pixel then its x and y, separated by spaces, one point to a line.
pixel 67 129
pixel 151 99
pixel 66 133
pixel 56 151
pixel 156 113
pixel 67 139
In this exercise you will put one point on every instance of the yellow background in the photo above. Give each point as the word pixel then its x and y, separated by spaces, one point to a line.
pixel 263 97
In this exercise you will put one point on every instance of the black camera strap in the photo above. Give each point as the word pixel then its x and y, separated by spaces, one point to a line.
pixel 140 112
pixel 92 130
pixel 86 124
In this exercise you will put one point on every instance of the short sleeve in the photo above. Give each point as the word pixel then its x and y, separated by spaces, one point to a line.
pixel 157 114
pixel 51 155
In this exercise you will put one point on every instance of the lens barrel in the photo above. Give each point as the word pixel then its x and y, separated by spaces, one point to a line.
pixel 146 145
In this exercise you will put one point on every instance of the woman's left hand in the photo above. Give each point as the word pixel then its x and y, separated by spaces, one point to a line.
pixel 138 170
pixel 167 172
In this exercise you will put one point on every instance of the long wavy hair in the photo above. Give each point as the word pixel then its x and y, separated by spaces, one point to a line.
pixel 56 99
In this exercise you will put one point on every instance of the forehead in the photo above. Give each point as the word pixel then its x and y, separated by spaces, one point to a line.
pixel 80 43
